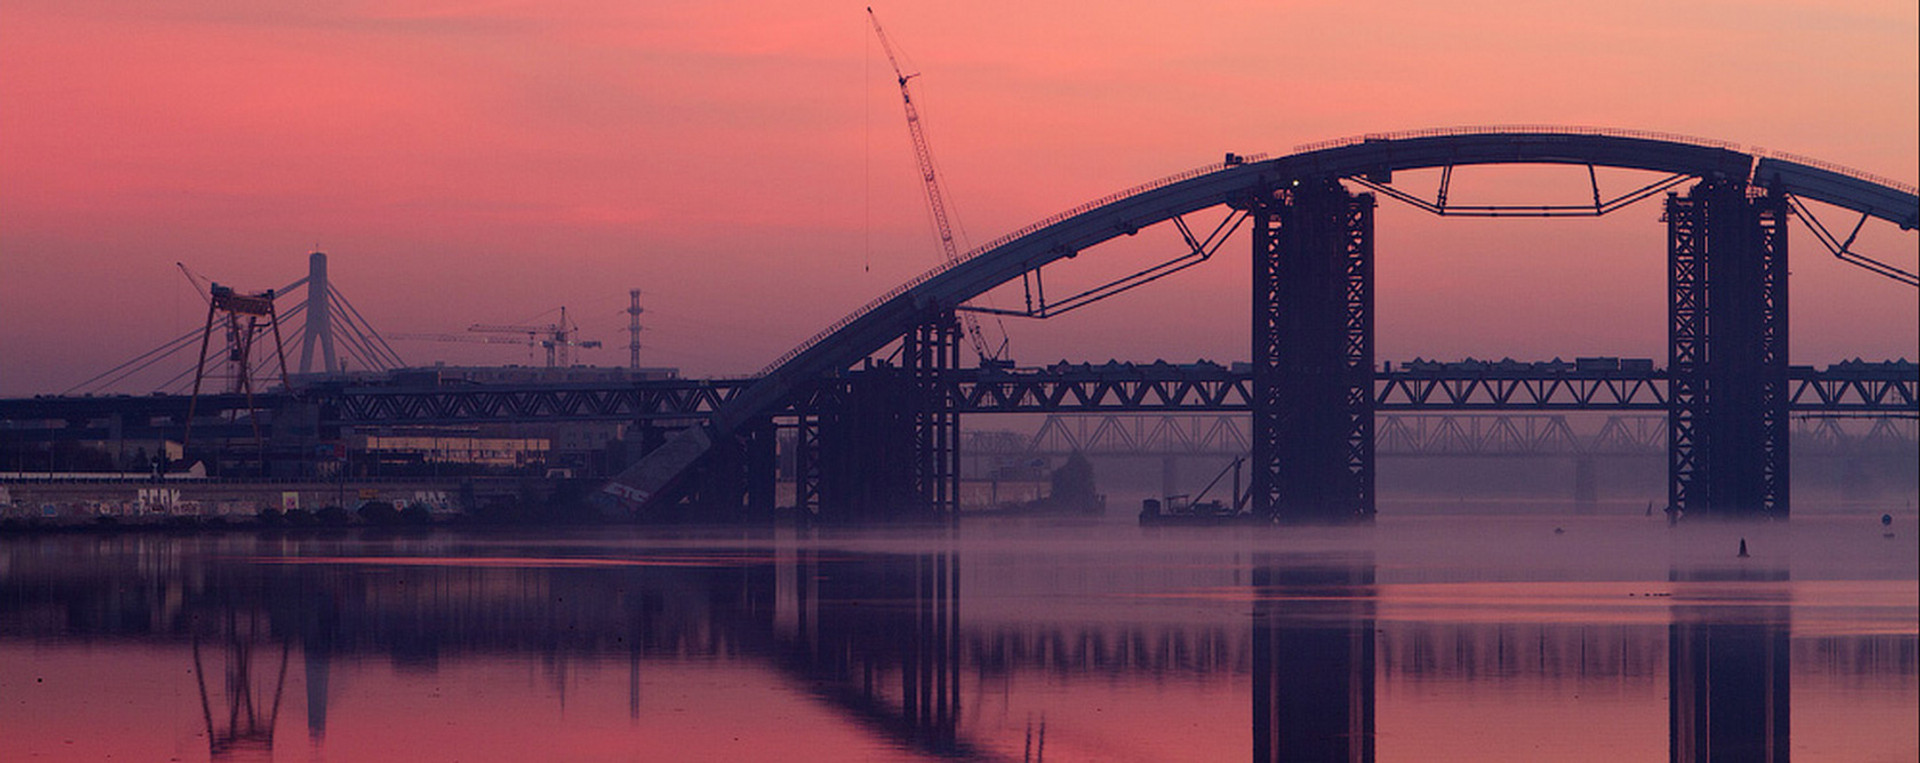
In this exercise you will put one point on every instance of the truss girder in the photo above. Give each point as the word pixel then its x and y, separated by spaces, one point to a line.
pixel 1422 434
pixel 883 442
pixel 1149 389
pixel 613 403
pixel 1396 434
pixel 1730 390
pixel 927 354
pixel 1312 405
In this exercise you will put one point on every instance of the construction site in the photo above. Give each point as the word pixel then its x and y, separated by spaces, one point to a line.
pixel 254 379
pixel 862 420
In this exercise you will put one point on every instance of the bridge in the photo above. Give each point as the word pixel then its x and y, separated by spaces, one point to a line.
pixel 876 435
pixel 873 402
pixel 1864 389
pixel 1409 434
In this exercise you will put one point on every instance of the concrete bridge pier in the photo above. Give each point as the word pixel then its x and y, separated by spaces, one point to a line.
pixel 1169 476
pixel 1728 390
pixel 1312 431
pixel 1586 484
pixel 720 484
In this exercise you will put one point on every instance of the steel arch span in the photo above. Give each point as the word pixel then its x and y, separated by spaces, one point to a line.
pixel 1241 182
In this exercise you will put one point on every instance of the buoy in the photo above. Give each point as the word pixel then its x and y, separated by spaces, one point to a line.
pixel 1743 548
pixel 1886 520
pixel 1559 531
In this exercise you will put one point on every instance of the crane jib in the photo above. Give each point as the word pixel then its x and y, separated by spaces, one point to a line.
pixel 936 198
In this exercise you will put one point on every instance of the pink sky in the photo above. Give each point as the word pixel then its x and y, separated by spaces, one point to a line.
pixel 747 165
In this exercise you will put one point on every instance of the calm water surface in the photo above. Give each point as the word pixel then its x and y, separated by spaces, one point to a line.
pixel 1430 638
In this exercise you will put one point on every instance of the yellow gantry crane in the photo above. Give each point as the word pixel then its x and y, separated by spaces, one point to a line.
pixel 936 200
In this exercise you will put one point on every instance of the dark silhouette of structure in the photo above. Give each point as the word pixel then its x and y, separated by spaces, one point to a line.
pixel 229 307
pixel 1313 661
pixel 1729 673
pixel 1727 351
pixel 878 429
pixel 1728 384
pixel 880 639
pixel 1313 353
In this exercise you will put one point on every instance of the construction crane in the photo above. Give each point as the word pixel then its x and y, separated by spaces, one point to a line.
pixel 936 200
pixel 466 338
pixel 201 285
pixel 556 338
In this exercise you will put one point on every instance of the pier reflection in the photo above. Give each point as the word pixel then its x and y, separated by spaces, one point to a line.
pixel 1313 659
pixel 1325 658
pixel 1729 666
pixel 878 636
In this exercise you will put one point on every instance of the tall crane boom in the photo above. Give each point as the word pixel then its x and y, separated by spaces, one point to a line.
pixel 936 199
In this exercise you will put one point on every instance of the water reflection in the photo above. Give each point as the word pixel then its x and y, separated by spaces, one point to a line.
pixel 877 636
pixel 1187 652
pixel 251 702
pixel 1729 666
pixel 1313 659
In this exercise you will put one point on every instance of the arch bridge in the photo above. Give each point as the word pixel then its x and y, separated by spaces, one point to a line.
pixel 874 440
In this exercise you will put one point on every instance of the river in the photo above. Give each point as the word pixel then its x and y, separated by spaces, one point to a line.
pixel 1437 637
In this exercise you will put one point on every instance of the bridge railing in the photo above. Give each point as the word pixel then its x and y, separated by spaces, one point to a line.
pixel 1431 132
pixel 1838 169
pixel 1441 132
pixel 995 244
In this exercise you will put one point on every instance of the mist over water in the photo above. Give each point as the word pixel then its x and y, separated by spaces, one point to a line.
pixel 1476 636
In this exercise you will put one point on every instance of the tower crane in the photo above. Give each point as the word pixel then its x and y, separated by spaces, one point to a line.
pixel 556 338
pixel 466 338
pixel 936 200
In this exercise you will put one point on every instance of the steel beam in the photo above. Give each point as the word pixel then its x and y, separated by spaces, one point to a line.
pixel 1312 382
pixel 886 440
pixel 762 467
pixel 1729 390
pixel 927 354
pixel 809 462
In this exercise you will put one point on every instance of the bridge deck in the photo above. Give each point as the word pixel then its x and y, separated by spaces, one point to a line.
pixel 1105 388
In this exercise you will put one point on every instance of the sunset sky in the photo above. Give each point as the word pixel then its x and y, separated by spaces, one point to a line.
pixel 746 164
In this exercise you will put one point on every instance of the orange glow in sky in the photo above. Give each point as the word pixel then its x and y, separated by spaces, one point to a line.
pixel 746 164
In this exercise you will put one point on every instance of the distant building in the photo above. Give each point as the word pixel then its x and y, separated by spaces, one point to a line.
pixel 448 448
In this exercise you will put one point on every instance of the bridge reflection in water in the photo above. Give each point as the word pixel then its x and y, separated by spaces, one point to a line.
pixel 1302 647
pixel 1313 659
pixel 1729 667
